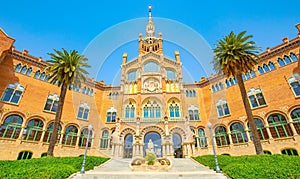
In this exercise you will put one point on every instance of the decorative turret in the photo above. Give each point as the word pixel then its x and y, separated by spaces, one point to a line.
pixel 150 43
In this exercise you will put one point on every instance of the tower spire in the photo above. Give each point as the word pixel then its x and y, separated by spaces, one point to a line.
pixel 150 26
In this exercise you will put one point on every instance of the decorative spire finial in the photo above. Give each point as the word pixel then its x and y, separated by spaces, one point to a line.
pixel 150 26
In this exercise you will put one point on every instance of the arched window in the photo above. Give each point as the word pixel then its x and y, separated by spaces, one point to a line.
pixel 84 90
pixel 152 110
pixel 91 92
pixel 193 113
pixel 18 68
pixel 37 74
pixel 187 93
pixel 222 108
pixel 29 71
pixel 266 68
pixel 294 86
pixel 194 93
pixel 131 76
pixel 290 152
pixel 11 127
pixel 287 60
pixel 83 111
pixel 256 98
pixel 88 91
pixel 238 133
pixel 130 110
pixel 104 140
pixel 247 75
pixel 202 138
pixel 23 70
pixel 171 75
pixel 42 77
pixel 47 77
pixel 70 135
pixel 24 155
pixel 272 66
pixel 260 70
pixel 262 131
pixel 111 114
pixel 191 93
pixel 295 115
pixel 13 93
pixel 83 139
pixel 280 62
pixel 213 88
pixel 267 152
pixel 48 133
pixel 221 136
pixel 221 86
pixel 51 103
pixel 278 126
pixel 253 75
pixel 231 81
pixel 174 110
pixel 293 57
pixel 217 87
pixel 33 130
pixel 151 67
pixel 227 83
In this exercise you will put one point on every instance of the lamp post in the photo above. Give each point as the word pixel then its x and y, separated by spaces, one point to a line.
pixel 86 148
pixel 209 125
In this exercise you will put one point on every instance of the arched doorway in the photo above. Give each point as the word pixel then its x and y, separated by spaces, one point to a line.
pixel 156 139
pixel 128 146
pixel 176 138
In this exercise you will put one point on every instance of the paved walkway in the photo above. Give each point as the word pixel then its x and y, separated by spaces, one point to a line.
pixel 182 169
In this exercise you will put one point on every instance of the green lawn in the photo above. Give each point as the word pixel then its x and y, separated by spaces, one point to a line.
pixel 46 167
pixel 255 166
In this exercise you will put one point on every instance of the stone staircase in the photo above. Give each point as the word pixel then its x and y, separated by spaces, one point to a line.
pixel 119 168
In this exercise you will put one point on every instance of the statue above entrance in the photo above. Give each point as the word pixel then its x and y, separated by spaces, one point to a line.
pixel 150 147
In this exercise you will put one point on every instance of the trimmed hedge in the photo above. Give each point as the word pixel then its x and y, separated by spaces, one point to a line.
pixel 255 166
pixel 46 167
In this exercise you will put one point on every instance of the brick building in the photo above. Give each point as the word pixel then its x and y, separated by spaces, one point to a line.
pixel 152 102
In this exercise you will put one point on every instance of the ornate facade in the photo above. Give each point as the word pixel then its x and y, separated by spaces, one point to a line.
pixel 152 102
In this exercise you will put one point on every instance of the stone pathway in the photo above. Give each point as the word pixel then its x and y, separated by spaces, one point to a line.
pixel 182 169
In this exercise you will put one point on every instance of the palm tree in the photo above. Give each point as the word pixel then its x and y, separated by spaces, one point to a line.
pixel 66 70
pixel 234 56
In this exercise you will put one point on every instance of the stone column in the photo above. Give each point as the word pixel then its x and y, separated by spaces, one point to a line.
pixel 113 149
pixel 184 150
pixel 133 150
pixel 268 131
pixel 198 142
pixel 142 150
pixel 230 138
pixel 292 127
pixel 247 133
pixel 193 149
pixel 21 132
pixel 120 150
pixel 61 137
pixel 189 150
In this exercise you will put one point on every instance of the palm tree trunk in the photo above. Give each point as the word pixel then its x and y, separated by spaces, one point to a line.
pixel 256 140
pixel 60 106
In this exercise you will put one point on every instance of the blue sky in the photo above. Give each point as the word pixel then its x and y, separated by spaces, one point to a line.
pixel 40 26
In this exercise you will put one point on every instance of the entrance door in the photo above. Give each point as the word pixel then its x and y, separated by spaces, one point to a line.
pixel 156 139
pixel 177 145
pixel 128 146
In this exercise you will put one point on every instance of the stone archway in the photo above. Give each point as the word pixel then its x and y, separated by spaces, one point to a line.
pixel 178 136
pixel 156 139
pixel 127 136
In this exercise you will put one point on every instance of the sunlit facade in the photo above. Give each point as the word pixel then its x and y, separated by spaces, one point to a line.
pixel 151 102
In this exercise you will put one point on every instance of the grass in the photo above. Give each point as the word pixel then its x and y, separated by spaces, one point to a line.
pixel 255 166
pixel 46 167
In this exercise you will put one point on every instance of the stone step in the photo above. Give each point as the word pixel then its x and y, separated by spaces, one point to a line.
pixel 151 175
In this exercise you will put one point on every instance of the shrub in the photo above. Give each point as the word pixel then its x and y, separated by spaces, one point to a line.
pixel 46 167
pixel 150 158
pixel 255 166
